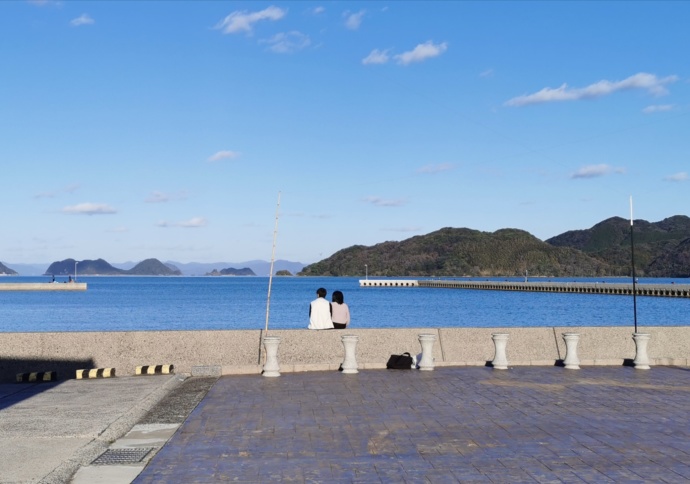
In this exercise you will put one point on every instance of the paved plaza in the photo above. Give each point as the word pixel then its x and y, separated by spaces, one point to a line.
pixel 465 424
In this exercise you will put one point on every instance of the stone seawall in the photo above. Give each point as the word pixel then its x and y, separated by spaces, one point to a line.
pixel 240 351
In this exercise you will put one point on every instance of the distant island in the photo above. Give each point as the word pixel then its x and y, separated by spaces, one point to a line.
pixel 230 271
pixel 6 271
pixel 99 267
pixel 662 249
pixel 283 273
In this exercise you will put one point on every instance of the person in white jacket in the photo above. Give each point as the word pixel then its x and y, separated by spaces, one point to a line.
pixel 320 311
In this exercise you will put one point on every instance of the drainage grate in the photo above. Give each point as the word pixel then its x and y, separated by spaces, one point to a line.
pixel 122 456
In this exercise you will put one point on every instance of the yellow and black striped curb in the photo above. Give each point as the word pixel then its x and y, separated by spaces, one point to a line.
pixel 155 370
pixel 37 376
pixel 96 373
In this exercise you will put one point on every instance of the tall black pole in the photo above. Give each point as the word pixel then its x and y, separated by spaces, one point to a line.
pixel 632 252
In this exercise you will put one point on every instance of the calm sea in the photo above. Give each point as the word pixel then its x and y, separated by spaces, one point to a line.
pixel 188 303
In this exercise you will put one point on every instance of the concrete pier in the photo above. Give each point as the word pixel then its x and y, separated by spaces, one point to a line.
pixel 621 289
pixel 43 286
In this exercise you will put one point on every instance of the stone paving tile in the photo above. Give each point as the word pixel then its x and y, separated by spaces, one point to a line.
pixel 527 424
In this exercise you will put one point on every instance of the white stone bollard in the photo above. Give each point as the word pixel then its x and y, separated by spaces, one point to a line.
pixel 350 361
pixel 500 361
pixel 571 362
pixel 427 361
pixel 271 367
pixel 641 361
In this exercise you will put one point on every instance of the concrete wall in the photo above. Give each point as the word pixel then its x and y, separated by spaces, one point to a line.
pixel 227 352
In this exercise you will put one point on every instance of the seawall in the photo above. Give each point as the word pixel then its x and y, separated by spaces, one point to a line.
pixel 240 351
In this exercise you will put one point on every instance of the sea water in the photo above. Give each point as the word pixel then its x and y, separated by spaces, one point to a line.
pixel 201 303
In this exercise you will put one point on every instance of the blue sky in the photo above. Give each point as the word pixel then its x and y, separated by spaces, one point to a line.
pixel 167 129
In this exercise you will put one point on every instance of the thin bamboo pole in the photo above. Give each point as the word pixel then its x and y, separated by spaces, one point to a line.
pixel 273 256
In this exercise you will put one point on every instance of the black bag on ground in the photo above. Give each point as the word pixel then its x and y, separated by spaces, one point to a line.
pixel 400 362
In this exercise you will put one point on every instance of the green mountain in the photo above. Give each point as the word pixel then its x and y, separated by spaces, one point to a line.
pixel 99 267
pixel 4 270
pixel 461 252
pixel 662 249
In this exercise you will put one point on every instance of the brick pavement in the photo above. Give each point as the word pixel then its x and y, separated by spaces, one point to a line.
pixel 473 424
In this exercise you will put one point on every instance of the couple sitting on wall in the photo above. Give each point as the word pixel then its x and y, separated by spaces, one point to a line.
pixel 325 315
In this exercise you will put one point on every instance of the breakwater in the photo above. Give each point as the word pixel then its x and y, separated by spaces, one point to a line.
pixel 226 352
pixel 43 286
pixel 620 289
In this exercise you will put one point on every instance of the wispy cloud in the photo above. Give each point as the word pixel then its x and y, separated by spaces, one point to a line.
pixel 243 21
pixel 353 20
pixel 318 10
pixel 421 52
pixel 658 108
pixel 68 189
pixel 161 197
pixel 436 168
pixel 192 223
pixel 487 73
pixel 223 155
pixel 89 209
pixel 678 177
pixel 43 3
pixel 380 202
pixel 376 56
pixel 83 19
pixel 649 82
pixel 287 42
pixel 595 171
pixel 118 230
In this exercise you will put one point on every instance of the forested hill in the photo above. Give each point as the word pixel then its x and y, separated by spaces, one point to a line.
pixel 461 252
pixel 662 249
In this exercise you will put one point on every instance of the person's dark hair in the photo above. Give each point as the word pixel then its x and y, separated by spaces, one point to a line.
pixel 338 297
pixel 321 292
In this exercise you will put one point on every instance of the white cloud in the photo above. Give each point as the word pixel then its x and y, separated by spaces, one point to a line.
pixel 649 82
pixel 287 43
pixel 223 155
pixel 422 52
pixel 68 189
pixel 194 222
pixel 380 202
pixel 89 209
pixel 353 20
pixel 118 230
pixel 658 108
pixel 318 10
pixel 243 21
pixel 678 177
pixel 487 73
pixel 83 19
pixel 595 171
pixel 376 56
pixel 436 168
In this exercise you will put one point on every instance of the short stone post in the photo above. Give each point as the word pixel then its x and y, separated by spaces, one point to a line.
pixel 500 361
pixel 641 361
pixel 571 362
pixel 427 342
pixel 350 361
pixel 271 367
